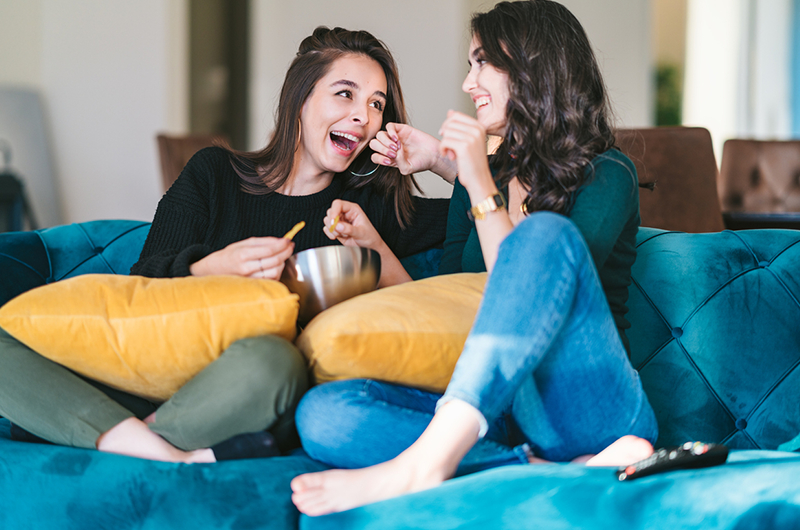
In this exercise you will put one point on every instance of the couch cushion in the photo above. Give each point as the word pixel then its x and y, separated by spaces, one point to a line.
pixel 756 490
pixel 147 336
pixel 54 487
pixel 410 334
pixel 31 259
pixel 715 334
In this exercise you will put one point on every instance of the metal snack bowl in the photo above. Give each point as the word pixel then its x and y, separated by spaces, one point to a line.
pixel 325 276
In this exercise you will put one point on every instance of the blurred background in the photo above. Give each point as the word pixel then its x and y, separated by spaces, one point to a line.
pixel 87 85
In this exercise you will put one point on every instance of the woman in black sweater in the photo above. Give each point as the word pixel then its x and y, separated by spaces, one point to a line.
pixel 226 214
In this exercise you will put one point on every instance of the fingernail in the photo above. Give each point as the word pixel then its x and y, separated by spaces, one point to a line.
pixel 396 139
pixel 387 161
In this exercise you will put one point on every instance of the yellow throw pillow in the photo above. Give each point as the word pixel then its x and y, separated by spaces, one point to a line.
pixel 410 334
pixel 147 336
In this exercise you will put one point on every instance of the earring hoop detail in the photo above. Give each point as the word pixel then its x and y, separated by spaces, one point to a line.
pixel 364 174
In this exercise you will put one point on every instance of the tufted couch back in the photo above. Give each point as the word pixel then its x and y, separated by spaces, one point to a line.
pixel 31 259
pixel 715 319
pixel 715 334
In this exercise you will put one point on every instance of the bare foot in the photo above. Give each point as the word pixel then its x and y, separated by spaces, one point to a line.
pixel 429 461
pixel 625 451
pixel 342 489
pixel 132 437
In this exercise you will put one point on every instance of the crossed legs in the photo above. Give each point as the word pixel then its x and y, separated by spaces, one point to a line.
pixel 252 384
pixel 544 345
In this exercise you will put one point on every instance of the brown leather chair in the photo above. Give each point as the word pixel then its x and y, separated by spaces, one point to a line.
pixel 678 168
pixel 758 176
pixel 175 151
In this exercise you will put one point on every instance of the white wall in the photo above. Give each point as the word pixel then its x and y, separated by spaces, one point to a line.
pixel 669 31
pixel 738 69
pixel 110 76
pixel 770 70
pixel 620 31
pixel 20 42
pixel 106 75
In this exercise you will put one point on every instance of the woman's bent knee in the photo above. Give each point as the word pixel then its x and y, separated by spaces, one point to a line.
pixel 323 418
pixel 261 360
pixel 266 371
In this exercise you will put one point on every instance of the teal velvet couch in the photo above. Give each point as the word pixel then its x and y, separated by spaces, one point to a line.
pixel 715 336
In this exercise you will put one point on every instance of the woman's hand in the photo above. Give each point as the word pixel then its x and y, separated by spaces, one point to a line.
pixel 348 223
pixel 410 150
pixel 464 141
pixel 255 257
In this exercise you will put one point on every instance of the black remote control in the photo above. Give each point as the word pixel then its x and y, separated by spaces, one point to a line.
pixel 691 455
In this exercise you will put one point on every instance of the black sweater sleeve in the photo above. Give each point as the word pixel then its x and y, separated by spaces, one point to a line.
pixel 178 233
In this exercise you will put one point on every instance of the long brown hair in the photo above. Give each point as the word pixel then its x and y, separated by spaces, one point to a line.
pixel 558 114
pixel 267 170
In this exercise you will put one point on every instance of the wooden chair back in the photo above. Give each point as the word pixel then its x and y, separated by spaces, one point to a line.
pixel 678 166
pixel 175 151
pixel 760 176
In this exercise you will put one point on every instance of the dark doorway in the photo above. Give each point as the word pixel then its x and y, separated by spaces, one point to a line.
pixel 218 61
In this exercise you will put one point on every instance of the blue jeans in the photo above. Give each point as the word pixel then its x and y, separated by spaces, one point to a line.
pixel 544 364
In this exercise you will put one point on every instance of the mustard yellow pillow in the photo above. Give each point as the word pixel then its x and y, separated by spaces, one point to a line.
pixel 143 335
pixel 410 334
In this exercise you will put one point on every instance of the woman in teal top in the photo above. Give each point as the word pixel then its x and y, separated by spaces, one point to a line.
pixel 552 216
pixel 605 212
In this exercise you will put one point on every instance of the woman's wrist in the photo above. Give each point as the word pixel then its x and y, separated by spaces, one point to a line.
pixel 445 168
pixel 480 192
pixel 381 248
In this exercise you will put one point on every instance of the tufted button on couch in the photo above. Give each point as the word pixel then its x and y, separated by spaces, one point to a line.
pixel 714 335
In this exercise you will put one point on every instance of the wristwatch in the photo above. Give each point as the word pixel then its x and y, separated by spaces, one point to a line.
pixel 492 203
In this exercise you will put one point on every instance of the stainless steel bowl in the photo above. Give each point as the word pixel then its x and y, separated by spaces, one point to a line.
pixel 325 276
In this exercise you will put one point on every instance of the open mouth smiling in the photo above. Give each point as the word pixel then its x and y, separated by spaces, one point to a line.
pixel 481 101
pixel 343 141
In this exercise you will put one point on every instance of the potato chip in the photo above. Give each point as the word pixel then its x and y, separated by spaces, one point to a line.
pixel 293 232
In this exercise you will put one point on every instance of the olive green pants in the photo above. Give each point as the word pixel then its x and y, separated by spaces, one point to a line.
pixel 254 385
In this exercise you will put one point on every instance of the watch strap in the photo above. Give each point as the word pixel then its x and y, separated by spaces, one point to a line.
pixel 492 203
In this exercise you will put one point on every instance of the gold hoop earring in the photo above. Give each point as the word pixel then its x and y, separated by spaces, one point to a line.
pixel 299 133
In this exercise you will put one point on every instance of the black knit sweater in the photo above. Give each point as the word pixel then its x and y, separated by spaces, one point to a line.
pixel 206 210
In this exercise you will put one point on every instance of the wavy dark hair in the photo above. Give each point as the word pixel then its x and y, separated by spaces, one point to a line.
pixel 267 170
pixel 558 112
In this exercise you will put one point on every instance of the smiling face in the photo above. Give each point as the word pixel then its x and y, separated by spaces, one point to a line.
pixel 342 114
pixel 488 88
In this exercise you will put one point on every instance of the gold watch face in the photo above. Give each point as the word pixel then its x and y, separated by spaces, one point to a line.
pixel 490 204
